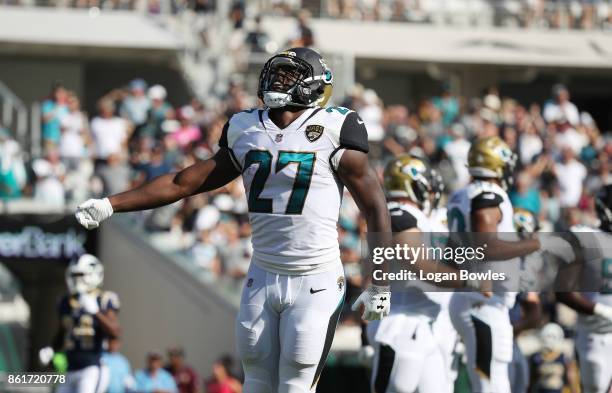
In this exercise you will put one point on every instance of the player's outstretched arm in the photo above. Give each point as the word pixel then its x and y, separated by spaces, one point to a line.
pixel 485 222
pixel 206 175
pixel 361 181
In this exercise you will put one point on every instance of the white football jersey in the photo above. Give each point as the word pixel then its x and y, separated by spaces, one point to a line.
pixel 412 296
pixel 292 189
pixel 487 194
pixel 439 238
pixel 597 255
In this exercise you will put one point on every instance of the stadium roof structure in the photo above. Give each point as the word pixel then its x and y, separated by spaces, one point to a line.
pixel 82 32
pixel 457 45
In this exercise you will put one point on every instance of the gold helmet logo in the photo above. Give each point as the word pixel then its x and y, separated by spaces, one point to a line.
pixel 408 177
pixel 491 158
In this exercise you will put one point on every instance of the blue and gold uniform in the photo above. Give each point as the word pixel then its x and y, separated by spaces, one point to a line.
pixel 84 338
pixel 549 371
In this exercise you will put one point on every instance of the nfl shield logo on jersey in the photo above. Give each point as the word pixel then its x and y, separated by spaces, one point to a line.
pixel 314 132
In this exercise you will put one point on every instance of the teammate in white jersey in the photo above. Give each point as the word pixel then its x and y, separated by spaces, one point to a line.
pixel 408 355
pixel 594 331
pixel 295 157
pixel 482 320
pixel 444 332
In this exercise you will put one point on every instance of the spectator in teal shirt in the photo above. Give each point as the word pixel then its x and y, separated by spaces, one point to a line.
pixel 120 378
pixel 53 109
pixel 525 196
pixel 448 105
pixel 154 378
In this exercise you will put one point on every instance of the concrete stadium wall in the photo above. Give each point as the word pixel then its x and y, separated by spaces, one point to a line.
pixel 31 78
pixel 161 304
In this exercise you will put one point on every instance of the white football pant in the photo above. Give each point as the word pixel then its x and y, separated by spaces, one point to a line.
pixel 447 338
pixel 484 326
pixel 91 379
pixel 595 360
pixel 407 357
pixel 285 328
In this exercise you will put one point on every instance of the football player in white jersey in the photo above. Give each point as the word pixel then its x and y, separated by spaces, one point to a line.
pixel 408 355
pixel 482 320
pixel 444 332
pixel 295 157
pixel 594 330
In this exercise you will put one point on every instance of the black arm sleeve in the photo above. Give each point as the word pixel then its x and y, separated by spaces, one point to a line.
pixel 485 200
pixel 401 220
pixel 353 134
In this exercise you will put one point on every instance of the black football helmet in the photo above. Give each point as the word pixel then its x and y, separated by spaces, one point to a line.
pixel 296 77
pixel 603 207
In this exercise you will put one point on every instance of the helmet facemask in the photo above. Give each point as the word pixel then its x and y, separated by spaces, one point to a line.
pixel 290 81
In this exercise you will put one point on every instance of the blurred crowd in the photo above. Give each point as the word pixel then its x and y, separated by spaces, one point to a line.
pixel 136 135
pixel 169 374
pixel 566 14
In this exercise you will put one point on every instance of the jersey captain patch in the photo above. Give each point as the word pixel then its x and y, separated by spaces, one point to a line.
pixel 314 132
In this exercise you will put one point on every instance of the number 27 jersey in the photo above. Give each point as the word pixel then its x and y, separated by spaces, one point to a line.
pixel 292 189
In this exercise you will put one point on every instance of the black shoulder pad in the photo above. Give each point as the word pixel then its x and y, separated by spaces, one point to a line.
pixel 223 139
pixel 353 134
pixel 485 200
pixel 401 220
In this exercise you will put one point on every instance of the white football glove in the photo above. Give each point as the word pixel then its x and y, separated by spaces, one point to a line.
pixel 89 303
pixel 603 311
pixel 376 301
pixel 558 247
pixel 93 211
pixel 45 355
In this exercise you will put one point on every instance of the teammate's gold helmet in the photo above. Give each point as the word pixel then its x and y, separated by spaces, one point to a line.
pixel 408 177
pixel 492 158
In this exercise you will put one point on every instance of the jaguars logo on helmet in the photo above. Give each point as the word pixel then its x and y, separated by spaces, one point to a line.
pixel 492 158
pixel 525 221
pixel 295 77
pixel 409 177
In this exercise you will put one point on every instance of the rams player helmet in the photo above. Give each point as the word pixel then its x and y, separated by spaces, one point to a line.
pixel 296 77
pixel 84 274
pixel 409 177
pixel 491 158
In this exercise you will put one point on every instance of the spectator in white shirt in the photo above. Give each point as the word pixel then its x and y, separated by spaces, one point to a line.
pixel 74 134
pixel 568 137
pixel 371 113
pixel 530 144
pixel 570 175
pixel 48 189
pixel 457 152
pixel 110 132
pixel 561 106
